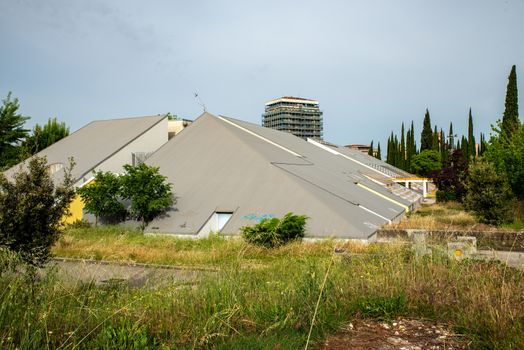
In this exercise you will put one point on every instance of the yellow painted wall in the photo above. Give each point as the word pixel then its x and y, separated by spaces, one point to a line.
pixel 76 209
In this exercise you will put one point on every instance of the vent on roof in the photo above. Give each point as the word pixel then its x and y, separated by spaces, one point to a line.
pixel 139 157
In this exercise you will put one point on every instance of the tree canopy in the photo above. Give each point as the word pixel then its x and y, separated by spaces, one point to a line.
pixel 43 137
pixel 426 162
pixel 148 191
pixel 101 197
pixel 12 132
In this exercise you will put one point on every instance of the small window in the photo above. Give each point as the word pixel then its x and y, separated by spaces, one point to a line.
pixel 222 219
pixel 215 223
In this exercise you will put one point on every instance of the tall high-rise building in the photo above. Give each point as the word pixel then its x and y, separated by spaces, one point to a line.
pixel 298 116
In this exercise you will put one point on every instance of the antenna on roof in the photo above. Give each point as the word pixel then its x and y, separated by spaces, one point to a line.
pixel 199 101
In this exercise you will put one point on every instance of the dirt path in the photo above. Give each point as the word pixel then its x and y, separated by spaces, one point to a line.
pixel 401 334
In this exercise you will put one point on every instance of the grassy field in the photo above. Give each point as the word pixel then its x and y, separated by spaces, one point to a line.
pixel 260 298
pixel 453 216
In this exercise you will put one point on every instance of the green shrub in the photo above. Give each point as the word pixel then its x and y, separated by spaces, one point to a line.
pixel 123 336
pixel 275 232
pixel 32 209
pixel 488 194
pixel 382 308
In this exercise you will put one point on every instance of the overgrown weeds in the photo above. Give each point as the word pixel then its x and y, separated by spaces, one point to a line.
pixel 266 298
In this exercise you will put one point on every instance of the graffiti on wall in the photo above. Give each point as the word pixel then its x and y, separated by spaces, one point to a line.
pixel 255 217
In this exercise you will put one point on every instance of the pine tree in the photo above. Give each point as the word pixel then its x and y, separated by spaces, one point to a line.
pixel 370 151
pixel 12 132
pixel 472 152
pixel 510 119
pixel 426 137
pixel 378 155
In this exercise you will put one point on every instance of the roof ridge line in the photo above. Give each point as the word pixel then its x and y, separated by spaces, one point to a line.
pixel 260 137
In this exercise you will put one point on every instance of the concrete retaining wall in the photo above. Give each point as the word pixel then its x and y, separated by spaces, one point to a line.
pixel 499 240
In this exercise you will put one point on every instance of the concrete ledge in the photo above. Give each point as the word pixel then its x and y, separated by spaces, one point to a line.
pixel 497 240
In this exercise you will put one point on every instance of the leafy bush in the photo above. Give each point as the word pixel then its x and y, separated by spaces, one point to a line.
pixel 32 209
pixel 488 194
pixel 275 232
pixel 508 158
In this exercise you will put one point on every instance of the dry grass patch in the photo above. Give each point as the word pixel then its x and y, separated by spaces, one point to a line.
pixel 446 216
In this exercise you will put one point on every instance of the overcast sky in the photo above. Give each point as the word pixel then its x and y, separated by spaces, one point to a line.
pixel 370 64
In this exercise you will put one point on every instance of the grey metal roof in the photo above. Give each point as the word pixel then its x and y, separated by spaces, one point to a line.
pixel 222 164
pixel 97 141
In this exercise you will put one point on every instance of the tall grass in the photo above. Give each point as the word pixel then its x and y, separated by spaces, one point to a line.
pixel 440 216
pixel 265 298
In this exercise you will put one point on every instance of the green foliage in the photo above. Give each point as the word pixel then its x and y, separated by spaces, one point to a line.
pixel 378 155
pixel 148 191
pixel 275 232
pixel 43 137
pixel 426 137
pixel 472 149
pixel 12 132
pixel 101 197
pixel 488 194
pixel 449 179
pixel 382 308
pixel 32 209
pixel 123 335
pixel 508 159
pixel 425 162
pixel 370 150
pixel 510 119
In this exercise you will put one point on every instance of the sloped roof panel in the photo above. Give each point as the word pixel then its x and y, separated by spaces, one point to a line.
pixel 221 164
pixel 96 142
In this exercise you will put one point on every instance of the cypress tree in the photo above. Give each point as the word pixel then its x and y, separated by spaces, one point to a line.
pixel 402 163
pixel 389 156
pixel 426 137
pixel 370 151
pixel 435 141
pixel 464 147
pixel 396 149
pixel 510 119
pixel 451 137
pixel 414 144
pixel 482 145
pixel 443 149
pixel 378 156
pixel 408 149
pixel 472 151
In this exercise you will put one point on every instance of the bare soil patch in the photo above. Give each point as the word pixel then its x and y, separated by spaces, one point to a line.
pixel 400 334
